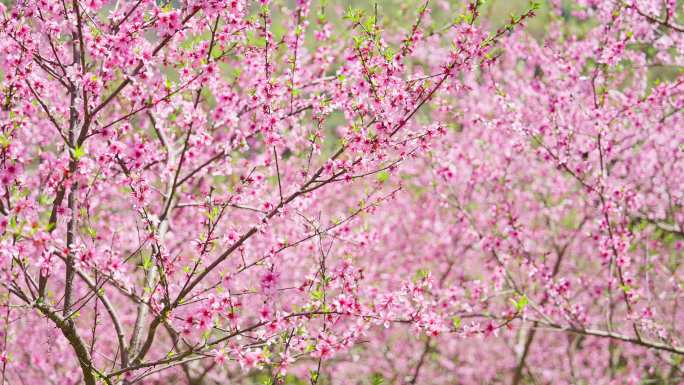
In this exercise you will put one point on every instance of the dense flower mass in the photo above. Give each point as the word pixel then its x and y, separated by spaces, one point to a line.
pixel 293 192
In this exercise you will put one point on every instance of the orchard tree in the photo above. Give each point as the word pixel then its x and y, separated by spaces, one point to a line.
pixel 211 192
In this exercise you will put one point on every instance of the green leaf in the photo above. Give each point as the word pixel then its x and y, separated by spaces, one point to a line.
pixel 456 321
pixel 317 295
pixel 43 199
pixel 78 152
pixel 421 274
pixel 353 14
pixel 520 303
pixel 266 352
pixel 213 214
pixel 147 262
pixel 383 176
pixel 92 233
pixel 4 142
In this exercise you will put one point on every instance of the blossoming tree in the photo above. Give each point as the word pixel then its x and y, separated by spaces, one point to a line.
pixel 210 192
